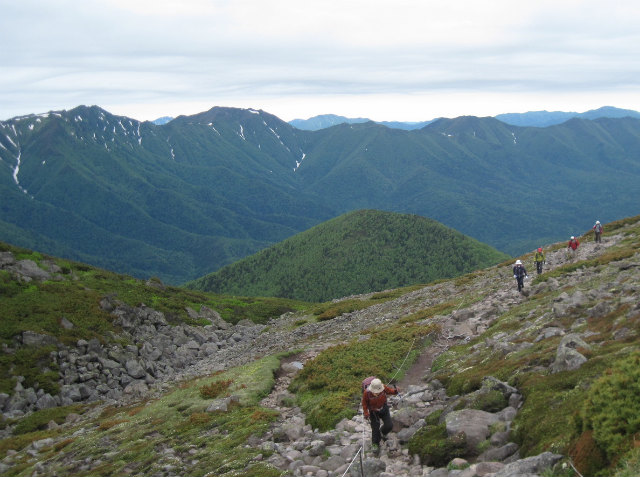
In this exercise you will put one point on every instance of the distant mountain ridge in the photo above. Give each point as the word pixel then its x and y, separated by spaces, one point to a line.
pixel 183 199
pixel 546 118
pixel 531 118
pixel 328 120
pixel 359 252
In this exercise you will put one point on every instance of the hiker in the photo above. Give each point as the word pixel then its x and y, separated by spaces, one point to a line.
pixel 376 410
pixel 572 247
pixel 597 230
pixel 539 259
pixel 519 273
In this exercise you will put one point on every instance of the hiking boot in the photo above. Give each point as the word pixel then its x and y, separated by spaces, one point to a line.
pixel 384 438
pixel 375 449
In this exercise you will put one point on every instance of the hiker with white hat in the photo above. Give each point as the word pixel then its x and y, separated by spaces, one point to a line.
pixel 376 411
pixel 519 273
pixel 572 247
pixel 597 230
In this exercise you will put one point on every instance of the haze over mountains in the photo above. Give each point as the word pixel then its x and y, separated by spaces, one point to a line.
pixel 183 199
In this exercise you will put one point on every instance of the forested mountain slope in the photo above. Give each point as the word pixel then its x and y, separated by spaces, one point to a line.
pixel 183 199
pixel 359 252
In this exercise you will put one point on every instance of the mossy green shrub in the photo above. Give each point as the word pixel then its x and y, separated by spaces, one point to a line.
pixel 329 387
pixel 435 447
pixel 629 464
pixel 38 420
pixel 612 407
pixel 34 363
pixel 546 420
pixel 20 441
pixel 490 401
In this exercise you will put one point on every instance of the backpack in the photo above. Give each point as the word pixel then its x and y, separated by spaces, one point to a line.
pixel 598 228
pixel 366 382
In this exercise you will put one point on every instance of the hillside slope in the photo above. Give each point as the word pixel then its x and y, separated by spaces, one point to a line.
pixel 359 252
pixel 546 370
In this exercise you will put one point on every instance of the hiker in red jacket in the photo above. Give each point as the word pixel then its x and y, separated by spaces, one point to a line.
pixel 375 408
pixel 572 247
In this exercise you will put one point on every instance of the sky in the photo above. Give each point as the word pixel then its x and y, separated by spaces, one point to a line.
pixel 383 60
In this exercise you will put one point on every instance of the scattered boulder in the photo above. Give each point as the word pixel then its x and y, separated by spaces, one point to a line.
pixel 568 358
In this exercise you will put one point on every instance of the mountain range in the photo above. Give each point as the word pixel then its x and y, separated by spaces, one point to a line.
pixel 531 118
pixel 181 200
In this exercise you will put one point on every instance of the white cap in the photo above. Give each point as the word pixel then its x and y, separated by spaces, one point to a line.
pixel 376 386
pixel 518 262
pixel 572 237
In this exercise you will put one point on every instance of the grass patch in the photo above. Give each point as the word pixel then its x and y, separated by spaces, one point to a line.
pixel 434 447
pixel 329 387
pixel 38 420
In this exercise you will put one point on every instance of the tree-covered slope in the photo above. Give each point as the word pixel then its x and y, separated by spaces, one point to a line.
pixel 173 201
pixel 358 252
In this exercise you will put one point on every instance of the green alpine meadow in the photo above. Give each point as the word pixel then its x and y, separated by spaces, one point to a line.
pixel 359 252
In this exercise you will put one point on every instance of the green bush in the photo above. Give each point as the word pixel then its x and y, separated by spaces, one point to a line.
pixel 491 401
pixel 434 447
pixel 38 420
pixel 612 407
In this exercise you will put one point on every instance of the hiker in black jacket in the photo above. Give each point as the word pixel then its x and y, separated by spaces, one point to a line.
pixel 519 273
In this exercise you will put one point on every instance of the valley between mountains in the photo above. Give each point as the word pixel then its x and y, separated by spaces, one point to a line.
pixel 493 382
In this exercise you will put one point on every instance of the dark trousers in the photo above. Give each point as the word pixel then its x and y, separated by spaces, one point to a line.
pixel 598 237
pixel 520 281
pixel 384 416
pixel 539 267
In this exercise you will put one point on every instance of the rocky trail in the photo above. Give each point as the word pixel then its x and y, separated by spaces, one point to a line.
pixel 303 451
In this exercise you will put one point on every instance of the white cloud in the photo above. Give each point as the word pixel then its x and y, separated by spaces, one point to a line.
pixel 403 60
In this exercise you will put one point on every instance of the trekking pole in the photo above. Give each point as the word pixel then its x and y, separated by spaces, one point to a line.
pixel 353 460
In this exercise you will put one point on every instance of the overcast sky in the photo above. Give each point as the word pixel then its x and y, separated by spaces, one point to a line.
pixel 384 60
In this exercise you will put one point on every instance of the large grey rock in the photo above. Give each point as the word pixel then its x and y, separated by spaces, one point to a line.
pixel 45 402
pixel 31 338
pixel 530 465
pixel 4 399
pixel 29 270
pixel 71 392
pixel 136 388
pixel 567 357
pixel 221 404
pixel 333 463
pixel 498 453
pixel 214 317
pixel 371 468
pixel 134 369
pixel 473 423
pixel 109 363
